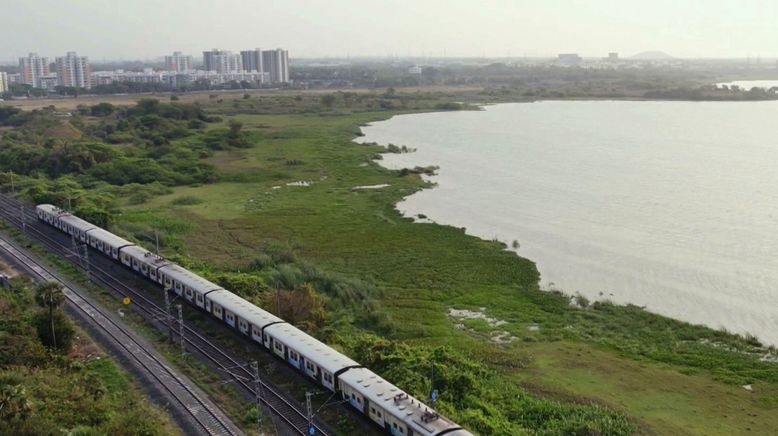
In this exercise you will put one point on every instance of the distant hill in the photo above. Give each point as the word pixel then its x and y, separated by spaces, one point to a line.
pixel 652 56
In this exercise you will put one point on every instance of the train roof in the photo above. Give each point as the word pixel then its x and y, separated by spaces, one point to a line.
pixel 310 347
pixel 77 222
pixel 397 402
pixel 50 208
pixel 188 278
pixel 145 256
pixel 109 238
pixel 243 308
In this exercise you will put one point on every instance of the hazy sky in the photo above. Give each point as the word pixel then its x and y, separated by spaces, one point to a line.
pixel 146 29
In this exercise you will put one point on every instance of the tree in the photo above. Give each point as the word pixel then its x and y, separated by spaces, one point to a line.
pixel 49 295
pixel 328 100
pixel 302 306
pixel 235 128
pixel 102 110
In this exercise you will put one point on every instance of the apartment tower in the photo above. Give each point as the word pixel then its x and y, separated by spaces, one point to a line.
pixel 222 61
pixel 32 69
pixel 74 71
pixel 178 62
pixel 276 63
pixel 3 82
pixel 252 60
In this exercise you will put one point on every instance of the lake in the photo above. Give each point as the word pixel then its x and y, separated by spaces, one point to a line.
pixel 668 205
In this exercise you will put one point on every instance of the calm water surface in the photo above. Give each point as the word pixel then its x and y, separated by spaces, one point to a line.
pixel 668 205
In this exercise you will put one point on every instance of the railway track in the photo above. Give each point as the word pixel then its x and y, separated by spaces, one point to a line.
pixel 204 415
pixel 273 398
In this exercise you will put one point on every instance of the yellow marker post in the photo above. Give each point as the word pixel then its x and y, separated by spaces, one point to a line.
pixel 126 301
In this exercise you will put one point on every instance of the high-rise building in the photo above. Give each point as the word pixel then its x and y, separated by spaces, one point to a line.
pixel 178 62
pixel 252 60
pixel 276 63
pixel 32 68
pixel 222 61
pixel 3 81
pixel 74 71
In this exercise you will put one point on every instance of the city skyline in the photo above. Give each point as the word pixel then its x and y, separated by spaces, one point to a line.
pixel 433 28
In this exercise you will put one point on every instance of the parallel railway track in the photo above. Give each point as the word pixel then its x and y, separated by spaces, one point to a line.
pixel 203 415
pixel 285 408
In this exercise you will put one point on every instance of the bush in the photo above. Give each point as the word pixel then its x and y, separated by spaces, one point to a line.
pixel 186 200
pixel 102 110
pixel 64 332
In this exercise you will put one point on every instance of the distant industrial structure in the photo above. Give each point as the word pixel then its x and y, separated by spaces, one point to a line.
pixel 3 82
pixel 613 56
pixel 569 59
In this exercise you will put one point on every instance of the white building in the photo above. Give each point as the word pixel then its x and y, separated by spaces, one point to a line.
pixel 74 71
pixel 178 62
pixel 276 63
pixel 222 61
pixel 176 79
pixel 3 81
pixel 252 60
pixel 32 68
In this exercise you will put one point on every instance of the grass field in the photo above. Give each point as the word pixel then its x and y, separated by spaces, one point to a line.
pixel 295 187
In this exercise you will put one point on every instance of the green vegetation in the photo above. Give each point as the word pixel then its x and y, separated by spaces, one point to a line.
pixel 278 221
pixel 61 387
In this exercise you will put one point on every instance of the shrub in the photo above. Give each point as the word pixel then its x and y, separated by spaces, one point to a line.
pixel 64 332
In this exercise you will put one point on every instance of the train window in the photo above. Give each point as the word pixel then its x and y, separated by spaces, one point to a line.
pixel 178 286
pixel 199 298
pixel 278 346
pixel 188 292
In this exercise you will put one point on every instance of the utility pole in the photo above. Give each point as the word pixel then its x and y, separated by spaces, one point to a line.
pixel 156 238
pixel 24 221
pixel 257 394
pixel 181 329
pixel 13 187
pixel 433 393
pixel 86 263
pixel 168 316
pixel 311 428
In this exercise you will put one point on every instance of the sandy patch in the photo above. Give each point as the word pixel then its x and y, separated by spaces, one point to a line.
pixel 359 188
pixel 475 314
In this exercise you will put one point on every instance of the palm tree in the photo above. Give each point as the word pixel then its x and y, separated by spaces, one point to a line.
pixel 49 295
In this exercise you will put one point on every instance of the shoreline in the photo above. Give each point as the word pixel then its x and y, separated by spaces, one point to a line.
pixel 423 217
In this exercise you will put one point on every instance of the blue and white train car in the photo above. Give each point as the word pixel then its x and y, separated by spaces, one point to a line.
pixel 388 406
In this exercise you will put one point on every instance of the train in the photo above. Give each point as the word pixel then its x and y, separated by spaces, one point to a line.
pixel 388 406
